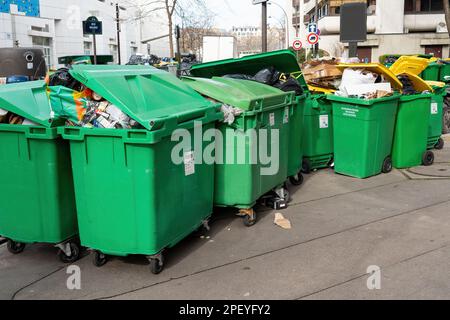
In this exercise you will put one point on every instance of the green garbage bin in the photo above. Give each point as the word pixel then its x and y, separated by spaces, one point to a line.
pixel 37 203
pixel 445 71
pixel 283 61
pixel 411 132
pixel 432 72
pixel 141 191
pixel 242 173
pixel 363 135
pixel 317 133
pixel 435 126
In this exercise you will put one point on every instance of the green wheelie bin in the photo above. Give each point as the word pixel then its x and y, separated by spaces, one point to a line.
pixel 411 132
pixel 318 149
pixel 436 113
pixel 141 191
pixel 432 72
pixel 283 61
pixel 363 135
pixel 445 70
pixel 37 203
pixel 254 154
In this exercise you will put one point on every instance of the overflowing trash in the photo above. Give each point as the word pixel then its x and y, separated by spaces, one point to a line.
pixel 361 83
pixel 7 117
pixel 322 73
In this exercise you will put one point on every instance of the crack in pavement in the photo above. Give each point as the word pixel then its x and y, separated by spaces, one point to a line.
pixel 366 274
pixel 274 251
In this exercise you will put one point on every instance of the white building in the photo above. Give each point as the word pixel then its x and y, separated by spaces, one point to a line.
pixel 394 26
pixel 56 27
pixel 246 31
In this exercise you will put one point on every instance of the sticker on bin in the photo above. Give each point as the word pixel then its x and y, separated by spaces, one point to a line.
pixel 272 119
pixel 286 115
pixel 189 163
pixel 434 108
pixel 324 122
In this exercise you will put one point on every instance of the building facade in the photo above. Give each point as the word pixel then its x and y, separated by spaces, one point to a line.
pixel 56 27
pixel 394 26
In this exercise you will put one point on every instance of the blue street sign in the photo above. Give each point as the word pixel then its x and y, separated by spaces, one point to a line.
pixel 312 28
pixel 92 26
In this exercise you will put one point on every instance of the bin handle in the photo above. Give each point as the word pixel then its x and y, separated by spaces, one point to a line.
pixel 40 133
pixel 72 133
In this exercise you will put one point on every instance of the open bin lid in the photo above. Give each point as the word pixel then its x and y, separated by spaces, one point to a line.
pixel 28 100
pixel 375 68
pixel 412 65
pixel 283 60
pixel 244 94
pixel 418 83
pixel 146 94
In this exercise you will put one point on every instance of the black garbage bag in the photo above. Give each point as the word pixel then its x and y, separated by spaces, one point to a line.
pixel 63 78
pixel 239 76
pixel 408 87
pixel 268 76
pixel 291 84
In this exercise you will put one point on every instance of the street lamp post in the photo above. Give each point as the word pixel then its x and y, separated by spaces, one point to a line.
pixel 287 22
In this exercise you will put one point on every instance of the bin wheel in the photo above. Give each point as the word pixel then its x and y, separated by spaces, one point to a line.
pixel 74 253
pixel 439 144
pixel 306 166
pixel 249 216
pixel 387 165
pixel 330 163
pixel 428 158
pixel 15 247
pixel 99 259
pixel 296 180
pixel 156 265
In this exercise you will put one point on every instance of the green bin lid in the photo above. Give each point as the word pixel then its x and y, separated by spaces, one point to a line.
pixel 146 94
pixel 28 100
pixel 244 94
pixel 283 60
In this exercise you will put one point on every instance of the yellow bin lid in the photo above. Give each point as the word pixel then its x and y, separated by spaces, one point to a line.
pixel 418 83
pixel 320 90
pixel 412 65
pixel 377 68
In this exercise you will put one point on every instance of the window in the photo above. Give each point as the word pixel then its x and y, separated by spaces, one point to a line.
pixel 87 48
pixel 431 5
pixel 44 44
pixel 410 6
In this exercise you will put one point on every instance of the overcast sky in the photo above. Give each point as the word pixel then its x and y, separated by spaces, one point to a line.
pixel 242 12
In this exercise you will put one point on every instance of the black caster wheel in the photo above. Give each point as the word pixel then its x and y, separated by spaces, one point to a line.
pixel 330 163
pixel 15 247
pixel 440 144
pixel 74 253
pixel 387 165
pixel 99 259
pixel 297 180
pixel 156 265
pixel 428 158
pixel 306 166
pixel 249 216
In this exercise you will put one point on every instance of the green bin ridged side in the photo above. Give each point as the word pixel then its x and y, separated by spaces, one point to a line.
pixel 432 72
pixel 411 131
pixel 435 127
pixel 241 184
pixel 131 197
pixel 363 134
pixel 37 201
pixel 445 71
pixel 296 136
pixel 318 142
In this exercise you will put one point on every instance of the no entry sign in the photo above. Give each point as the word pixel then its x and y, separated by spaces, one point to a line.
pixel 297 45
pixel 313 38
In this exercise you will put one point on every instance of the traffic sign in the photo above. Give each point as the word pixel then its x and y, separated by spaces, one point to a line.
pixel 313 38
pixel 92 26
pixel 312 28
pixel 297 45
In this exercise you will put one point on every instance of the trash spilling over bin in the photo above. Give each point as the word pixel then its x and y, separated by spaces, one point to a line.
pixel 281 70
pixel 140 191
pixel 254 154
pixel 37 203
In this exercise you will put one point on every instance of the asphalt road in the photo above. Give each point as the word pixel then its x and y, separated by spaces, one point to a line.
pixel 399 223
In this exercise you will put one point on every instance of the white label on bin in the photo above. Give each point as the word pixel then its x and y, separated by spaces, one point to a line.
pixel 30 65
pixel 189 163
pixel 323 121
pixel 434 108
pixel 286 115
pixel 272 119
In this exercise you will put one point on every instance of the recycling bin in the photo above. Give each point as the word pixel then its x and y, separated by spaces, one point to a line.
pixel 445 71
pixel 436 113
pixel 37 203
pixel 285 62
pixel 411 132
pixel 253 159
pixel 141 191
pixel 317 133
pixel 363 135
pixel 432 72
